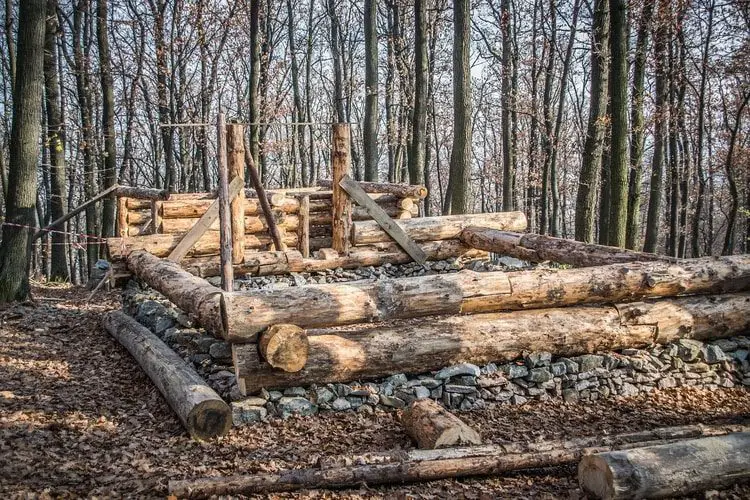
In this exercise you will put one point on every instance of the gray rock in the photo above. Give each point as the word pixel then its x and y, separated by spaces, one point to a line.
pixel 162 324
pixel 489 369
pixel 570 395
pixel 456 370
pixel 430 383
pixel 588 362
pixel 392 402
pixel 203 344
pixel 726 345
pixel 220 350
pixel 536 359
pixel 397 380
pixel 244 413
pixel 274 396
pixel 558 369
pixel 366 409
pixel 460 389
pixel 740 354
pixel 688 350
pixel 713 354
pixel 288 406
pixel 610 362
pixel 628 389
pixel 421 392
pixel 516 371
pixel 324 395
pixel 463 380
pixel 295 392
pixel 539 375
pixel 666 383
pixel 341 404
pixel 570 365
pixel 518 400
pixel 698 368
pixel 342 390
pixel 356 401
pixel 503 395
pixel 437 392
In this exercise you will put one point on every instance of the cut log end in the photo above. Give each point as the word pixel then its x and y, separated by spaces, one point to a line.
pixel 595 477
pixel 432 426
pixel 285 347
pixel 209 419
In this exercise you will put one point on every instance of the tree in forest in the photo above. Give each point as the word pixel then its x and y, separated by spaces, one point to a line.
pixel 370 128
pixel 618 90
pixel 507 102
pixel 15 250
pixel 459 182
pixel 588 183
pixel 419 119
pixel 108 117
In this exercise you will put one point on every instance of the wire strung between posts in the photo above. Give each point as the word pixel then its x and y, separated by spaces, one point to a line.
pixel 283 124
pixel 99 239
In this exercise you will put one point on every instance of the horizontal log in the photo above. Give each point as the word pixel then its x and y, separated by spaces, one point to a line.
pixel 438 228
pixel 540 248
pixel 253 224
pixel 431 426
pixel 161 245
pixel 141 193
pixel 203 413
pixel 417 346
pixel 360 214
pixel 427 465
pixel 254 262
pixel 402 190
pixel 469 292
pixel 667 470
pixel 185 209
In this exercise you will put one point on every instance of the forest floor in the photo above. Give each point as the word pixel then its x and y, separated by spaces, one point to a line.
pixel 79 418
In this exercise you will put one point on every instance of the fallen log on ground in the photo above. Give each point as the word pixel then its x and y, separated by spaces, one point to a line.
pixel 194 295
pixel 540 248
pixel 402 190
pixel 431 426
pixel 469 292
pixel 667 470
pixel 416 346
pixel 203 413
pixel 428 465
pixel 438 228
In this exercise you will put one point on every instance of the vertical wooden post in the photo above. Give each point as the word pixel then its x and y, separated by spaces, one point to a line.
pixel 236 168
pixel 122 216
pixel 156 214
pixel 225 224
pixel 342 205
pixel 303 227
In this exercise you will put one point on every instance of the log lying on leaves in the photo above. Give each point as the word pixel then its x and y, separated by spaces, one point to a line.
pixel 438 228
pixel 469 292
pixel 203 413
pixel 429 465
pixel 190 293
pixel 401 190
pixel 667 470
pixel 416 346
pixel 539 248
pixel 431 426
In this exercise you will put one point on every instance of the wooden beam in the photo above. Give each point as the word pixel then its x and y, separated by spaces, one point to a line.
pixel 303 227
pixel 225 216
pixel 236 168
pixel 400 190
pixel 202 225
pixel 141 193
pixel 342 205
pixel 378 214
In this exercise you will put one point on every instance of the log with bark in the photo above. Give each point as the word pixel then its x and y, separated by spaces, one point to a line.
pixel 469 292
pixel 203 413
pixel 416 346
pixel 253 224
pixel 401 190
pixel 438 228
pixel 540 248
pixel 431 426
pixel 141 193
pixel 429 465
pixel 667 470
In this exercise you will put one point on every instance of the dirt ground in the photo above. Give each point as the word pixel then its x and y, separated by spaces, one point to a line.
pixel 79 418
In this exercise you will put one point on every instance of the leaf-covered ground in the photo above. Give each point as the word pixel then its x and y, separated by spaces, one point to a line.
pixel 79 418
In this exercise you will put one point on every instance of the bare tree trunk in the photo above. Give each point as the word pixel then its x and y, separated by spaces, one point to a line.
pixel 338 76
pixel 419 121
pixel 729 166
pixel 15 251
pixel 108 118
pixel 370 131
pixel 460 168
pixel 254 104
pixel 547 111
pixel 509 168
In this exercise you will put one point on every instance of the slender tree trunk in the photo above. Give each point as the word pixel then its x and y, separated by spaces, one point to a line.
pixel 606 174
pixel 108 118
pixel 661 113
pixel 55 144
pixel 618 90
pixel 370 129
pixel 460 169
pixel 547 110
pixel 15 251
pixel 637 128
pixel 729 167
pixel 592 151
pixel 253 101
pixel 509 168
pixel 338 76
pixel 10 42
pixel 419 121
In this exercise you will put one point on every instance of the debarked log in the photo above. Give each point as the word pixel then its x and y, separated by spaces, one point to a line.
pixel 402 190
pixel 430 465
pixel 469 292
pixel 203 413
pixel 416 346
pixel 667 470
pixel 438 228
pixel 431 426
pixel 540 248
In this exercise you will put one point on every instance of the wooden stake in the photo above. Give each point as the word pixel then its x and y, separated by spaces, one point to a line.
pixel 225 223
pixel 303 228
pixel 122 217
pixel 342 205
pixel 236 169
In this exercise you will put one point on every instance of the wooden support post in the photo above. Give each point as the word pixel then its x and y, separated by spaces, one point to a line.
pixel 203 413
pixel 225 224
pixel 236 168
pixel 303 227
pixel 122 217
pixel 342 204
pixel 431 426
pixel 667 470
pixel 156 215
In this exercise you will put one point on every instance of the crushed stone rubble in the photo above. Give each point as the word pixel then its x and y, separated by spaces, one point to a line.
pixel 722 363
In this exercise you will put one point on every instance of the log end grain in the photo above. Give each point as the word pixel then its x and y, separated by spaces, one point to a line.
pixel 433 427
pixel 209 419
pixel 285 347
pixel 595 477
